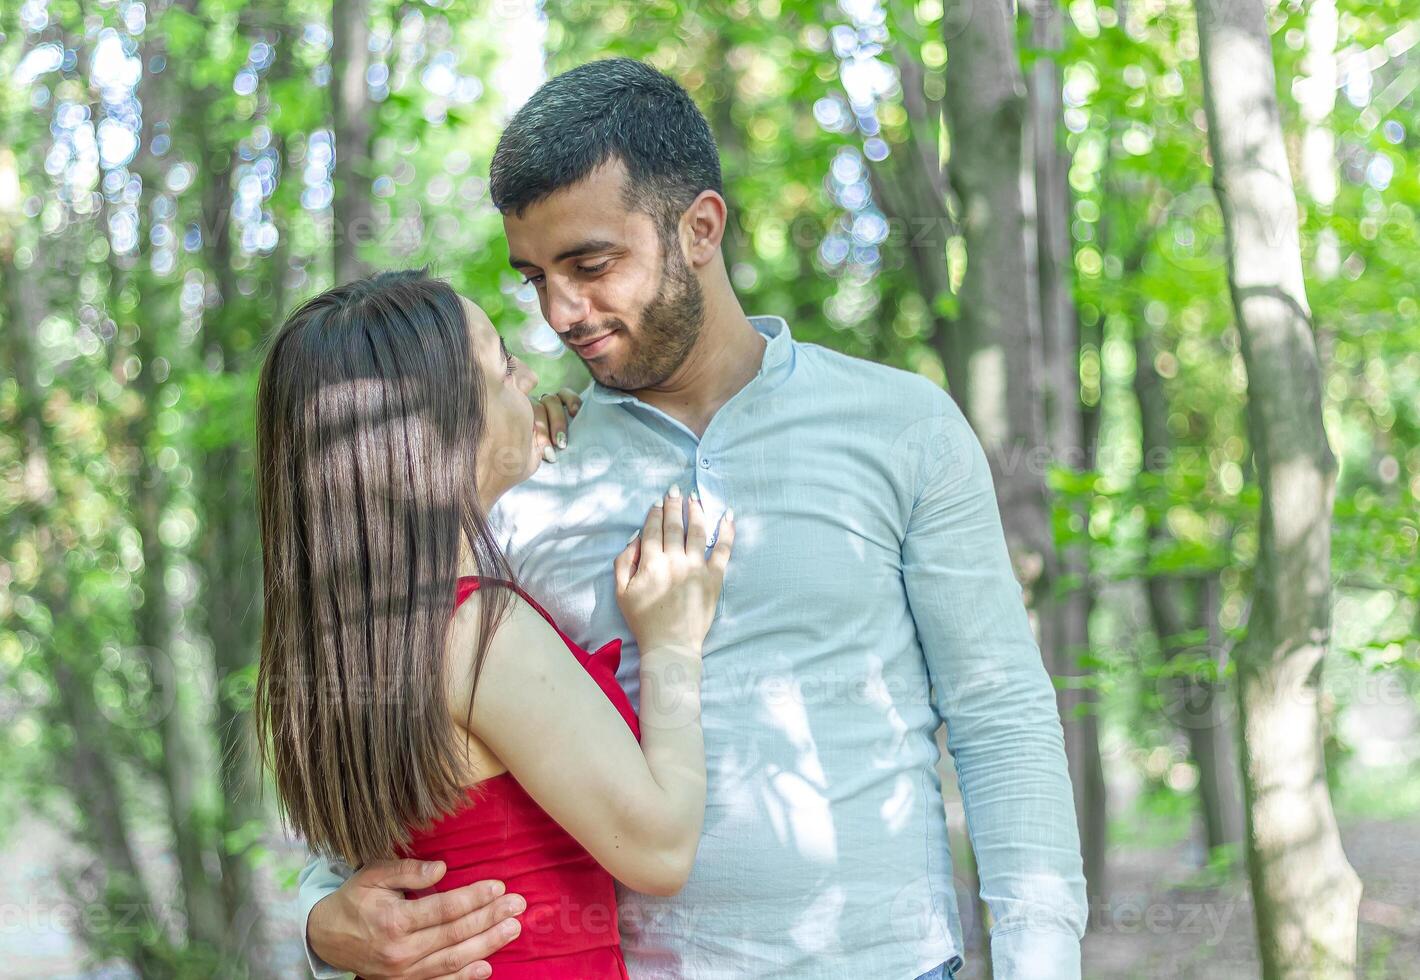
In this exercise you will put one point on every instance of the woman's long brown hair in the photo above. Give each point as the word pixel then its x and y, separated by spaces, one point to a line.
pixel 370 411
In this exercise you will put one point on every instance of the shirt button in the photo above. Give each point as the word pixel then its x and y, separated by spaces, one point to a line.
pixel 704 464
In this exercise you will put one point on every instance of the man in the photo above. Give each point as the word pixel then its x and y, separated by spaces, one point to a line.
pixel 871 596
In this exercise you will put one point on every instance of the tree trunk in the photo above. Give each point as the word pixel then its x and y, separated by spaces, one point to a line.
pixel 156 634
pixel 734 156
pixel 911 189
pixel 228 556
pixel 1198 705
pixel 154 621
pixel 229 561
pixel 86 770
pixel 996 339
pixel 1214 745
pixel 1305 894
pixel 353 114
pixel 997 326
pixel 1079 705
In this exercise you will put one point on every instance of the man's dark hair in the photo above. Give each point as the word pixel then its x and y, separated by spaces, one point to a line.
pixel 614 108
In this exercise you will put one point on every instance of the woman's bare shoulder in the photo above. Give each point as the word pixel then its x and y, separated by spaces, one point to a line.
pixel 520 627
pixel 522 640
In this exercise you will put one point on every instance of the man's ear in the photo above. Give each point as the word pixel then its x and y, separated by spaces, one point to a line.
pixel 703 227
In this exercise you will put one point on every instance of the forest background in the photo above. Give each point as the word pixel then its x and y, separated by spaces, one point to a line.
pixel 1163 253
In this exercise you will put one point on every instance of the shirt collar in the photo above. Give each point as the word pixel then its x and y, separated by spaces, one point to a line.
pixel 776 364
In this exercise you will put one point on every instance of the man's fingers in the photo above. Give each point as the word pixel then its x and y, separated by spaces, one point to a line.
pixel 404 875
pixel 474 971
pixel 556 420
pixel 434 910
pixel 453 960
pixel 456 945
pixel 673 540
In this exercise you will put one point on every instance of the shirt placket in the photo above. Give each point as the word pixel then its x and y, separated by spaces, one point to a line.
pixel 706 476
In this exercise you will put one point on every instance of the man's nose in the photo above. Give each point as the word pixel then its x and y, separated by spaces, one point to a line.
pixel 565 308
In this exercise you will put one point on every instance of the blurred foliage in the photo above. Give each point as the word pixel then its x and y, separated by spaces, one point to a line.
pixel 165 194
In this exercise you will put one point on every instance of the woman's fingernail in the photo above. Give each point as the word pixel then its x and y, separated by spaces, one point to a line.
pixel 729 513
pixel 483 972
pixel 695 496
pixel 674 490
pixel 561 440
pixel 549 454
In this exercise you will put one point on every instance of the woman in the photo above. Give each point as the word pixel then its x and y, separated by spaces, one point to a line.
pixel 412 700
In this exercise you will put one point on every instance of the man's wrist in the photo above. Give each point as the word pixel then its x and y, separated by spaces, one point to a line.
pixel 321 968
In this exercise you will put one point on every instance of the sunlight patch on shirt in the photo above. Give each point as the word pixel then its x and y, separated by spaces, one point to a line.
pixel 806 811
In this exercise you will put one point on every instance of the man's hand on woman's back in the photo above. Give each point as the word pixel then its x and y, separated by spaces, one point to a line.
pixel 368 927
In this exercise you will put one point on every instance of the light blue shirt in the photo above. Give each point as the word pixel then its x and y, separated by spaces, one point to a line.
pixel 869 598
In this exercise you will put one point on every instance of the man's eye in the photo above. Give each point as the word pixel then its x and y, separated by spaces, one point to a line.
pixel 532 280
pixel 592 270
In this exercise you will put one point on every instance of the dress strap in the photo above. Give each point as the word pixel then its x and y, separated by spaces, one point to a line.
pixel 468 584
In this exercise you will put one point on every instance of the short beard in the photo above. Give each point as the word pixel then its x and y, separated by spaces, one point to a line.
pixel 670 325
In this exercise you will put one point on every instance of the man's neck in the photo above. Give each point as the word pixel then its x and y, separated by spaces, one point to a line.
pixel 725 358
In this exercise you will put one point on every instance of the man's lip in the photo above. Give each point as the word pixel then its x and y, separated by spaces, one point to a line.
pixel 583 345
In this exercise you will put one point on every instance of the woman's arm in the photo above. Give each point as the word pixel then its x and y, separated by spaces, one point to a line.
pixel 637 809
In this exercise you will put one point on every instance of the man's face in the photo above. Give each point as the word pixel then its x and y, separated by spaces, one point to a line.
pixel 630 312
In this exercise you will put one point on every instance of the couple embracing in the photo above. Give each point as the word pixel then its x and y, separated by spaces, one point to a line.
pixel 642 682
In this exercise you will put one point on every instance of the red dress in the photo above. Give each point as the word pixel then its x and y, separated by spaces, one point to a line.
pixel 569 931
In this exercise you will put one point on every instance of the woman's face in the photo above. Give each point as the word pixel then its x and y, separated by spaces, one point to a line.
pixel 509 453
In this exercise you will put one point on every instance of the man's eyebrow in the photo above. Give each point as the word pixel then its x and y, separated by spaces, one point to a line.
pixel 576 251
